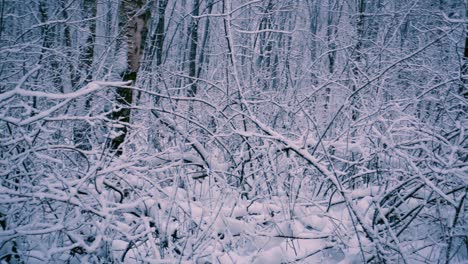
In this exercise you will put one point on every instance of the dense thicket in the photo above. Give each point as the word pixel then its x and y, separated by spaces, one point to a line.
pixel 233 131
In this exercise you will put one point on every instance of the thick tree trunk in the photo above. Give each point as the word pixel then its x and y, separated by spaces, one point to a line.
pixel 134 23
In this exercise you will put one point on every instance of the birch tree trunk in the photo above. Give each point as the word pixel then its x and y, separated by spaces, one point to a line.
pixel 134 17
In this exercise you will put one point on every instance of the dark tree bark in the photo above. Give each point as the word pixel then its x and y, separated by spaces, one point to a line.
pixel 202 60
pixel 464 70
pixel 193 49
pixel 160 34
pixel 134 17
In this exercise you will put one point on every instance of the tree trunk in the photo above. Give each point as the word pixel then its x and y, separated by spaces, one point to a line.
pixel 134 24
pixel 464 70
pixel 193 49
pixel 357 58
pixel 202 60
